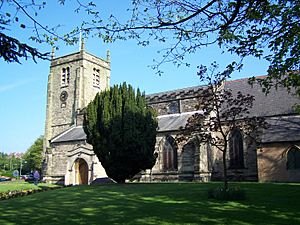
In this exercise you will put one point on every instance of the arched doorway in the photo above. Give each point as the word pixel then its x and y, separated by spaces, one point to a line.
pixel 81 171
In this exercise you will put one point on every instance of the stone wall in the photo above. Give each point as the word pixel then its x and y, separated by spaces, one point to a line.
pixel 79 89
pixel 61 162
pixel 196 161
pixel 272 163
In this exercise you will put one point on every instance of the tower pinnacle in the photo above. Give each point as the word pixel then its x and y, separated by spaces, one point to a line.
pixel 108 56
pixel 53 53
pixel 82 44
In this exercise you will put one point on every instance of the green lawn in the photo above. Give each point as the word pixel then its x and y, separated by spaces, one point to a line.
pixel 165 203
pixel 21 185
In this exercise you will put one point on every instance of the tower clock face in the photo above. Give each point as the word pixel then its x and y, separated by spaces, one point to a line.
pixel 63 96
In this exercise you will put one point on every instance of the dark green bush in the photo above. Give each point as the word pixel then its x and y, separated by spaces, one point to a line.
pixel 232 193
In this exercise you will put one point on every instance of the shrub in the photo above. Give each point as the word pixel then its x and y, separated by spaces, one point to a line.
pixel 19 193
pixel 231 193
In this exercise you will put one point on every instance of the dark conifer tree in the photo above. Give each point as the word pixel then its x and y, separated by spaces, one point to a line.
pixel 122 129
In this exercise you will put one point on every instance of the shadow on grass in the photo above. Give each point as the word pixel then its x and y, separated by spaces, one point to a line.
pixel 179 203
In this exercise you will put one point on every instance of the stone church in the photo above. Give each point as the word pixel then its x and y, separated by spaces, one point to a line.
pixel 75 79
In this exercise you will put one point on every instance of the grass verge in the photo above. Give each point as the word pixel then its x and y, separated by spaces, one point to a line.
pixel 21 185
pixel 163 203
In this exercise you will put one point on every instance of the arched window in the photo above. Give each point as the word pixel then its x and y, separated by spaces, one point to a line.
pixel 293 158
pixel 236 150
pixel 169 154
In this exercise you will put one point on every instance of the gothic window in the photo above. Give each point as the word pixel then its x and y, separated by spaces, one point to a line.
pixel 169 153
pixel 236 150
pixel 96 77
pixel 65 76
pixel 293 159
pixel 188 157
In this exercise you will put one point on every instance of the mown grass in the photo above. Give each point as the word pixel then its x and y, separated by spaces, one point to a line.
pixel 21 185
pixel 164 203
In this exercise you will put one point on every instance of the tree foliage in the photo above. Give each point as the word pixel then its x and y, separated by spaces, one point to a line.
pixel 33 156
pixel 21 18
pixel 267 29
pixel 122 130
pixel 222 112
pixel 11 48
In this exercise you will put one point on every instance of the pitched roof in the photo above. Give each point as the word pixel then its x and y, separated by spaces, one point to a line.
pixel 277 102
pixel 282 129
pixel 175 94
pixel 73 134
pixel 274 106
pixel 173 122
pixel 277 106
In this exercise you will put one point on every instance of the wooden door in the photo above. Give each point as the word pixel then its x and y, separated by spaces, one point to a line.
pixel 83 172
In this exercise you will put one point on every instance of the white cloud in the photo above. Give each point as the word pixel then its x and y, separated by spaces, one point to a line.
pixel 8 87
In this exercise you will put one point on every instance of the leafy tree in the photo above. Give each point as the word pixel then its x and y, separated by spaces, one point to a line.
pixel 4 161
pixel 33 156
pixel 267 29
pixel 122 130
pixel 223 112
pixel 16 17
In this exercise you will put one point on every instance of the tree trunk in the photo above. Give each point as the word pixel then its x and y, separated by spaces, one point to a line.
pixel 225 170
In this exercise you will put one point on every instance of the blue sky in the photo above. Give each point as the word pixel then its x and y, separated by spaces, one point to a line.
pixel 23 87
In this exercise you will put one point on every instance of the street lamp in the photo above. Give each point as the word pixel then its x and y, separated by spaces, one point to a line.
pixel 21 166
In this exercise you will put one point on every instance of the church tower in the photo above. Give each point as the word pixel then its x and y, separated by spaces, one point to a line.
pixel 73 82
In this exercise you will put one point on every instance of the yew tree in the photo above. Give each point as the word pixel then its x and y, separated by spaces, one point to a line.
pixel 122 130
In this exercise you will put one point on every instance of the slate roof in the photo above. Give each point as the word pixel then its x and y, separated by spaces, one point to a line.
pixel 173 122
pixel 277 102
pixel 72 134
pixel 282 129
pixel 170 122
pixel 175 94
pixel 275 106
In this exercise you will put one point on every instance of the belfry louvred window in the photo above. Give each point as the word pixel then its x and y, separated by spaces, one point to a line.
pixel 65 76
pixel 96 77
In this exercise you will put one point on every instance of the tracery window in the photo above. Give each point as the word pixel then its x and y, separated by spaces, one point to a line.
pixel 236 149
pixel 293 159
pixel 169 154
